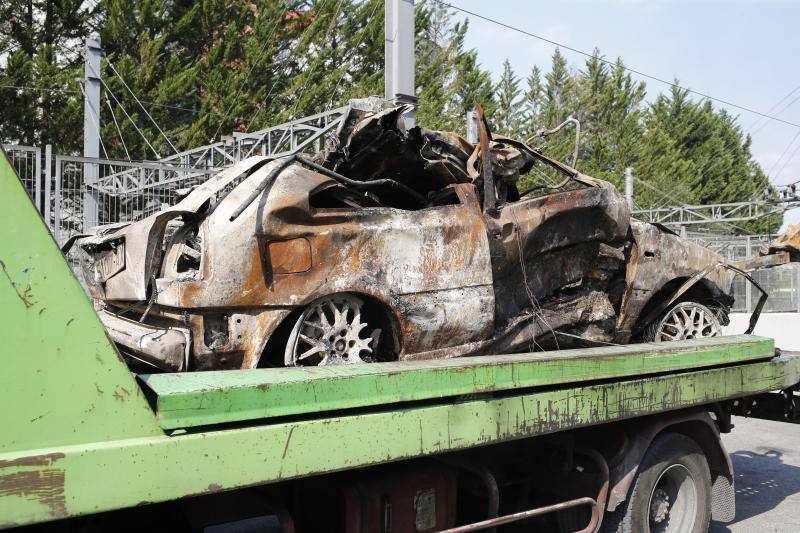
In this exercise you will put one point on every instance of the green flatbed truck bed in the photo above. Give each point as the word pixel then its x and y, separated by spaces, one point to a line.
pixel 82 435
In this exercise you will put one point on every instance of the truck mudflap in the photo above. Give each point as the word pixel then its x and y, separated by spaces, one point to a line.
pixel 167 349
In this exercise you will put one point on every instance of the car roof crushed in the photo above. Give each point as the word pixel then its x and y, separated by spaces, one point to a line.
pixel 374 144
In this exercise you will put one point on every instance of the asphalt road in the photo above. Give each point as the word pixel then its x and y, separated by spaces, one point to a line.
pixel 766 463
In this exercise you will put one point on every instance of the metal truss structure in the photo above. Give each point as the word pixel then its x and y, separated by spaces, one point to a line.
pixel 284 139
pixel 693 215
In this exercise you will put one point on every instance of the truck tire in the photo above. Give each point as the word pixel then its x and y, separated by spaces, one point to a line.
pixel 671 492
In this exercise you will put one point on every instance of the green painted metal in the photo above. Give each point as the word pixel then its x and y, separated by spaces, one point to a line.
pixel 61 381
pixel 78 436
pixel 110 475
pixel 204 398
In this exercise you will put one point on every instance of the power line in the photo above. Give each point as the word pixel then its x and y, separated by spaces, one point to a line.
pixel 631 70
pixel 658 191
pixel 774 107
pixel 108 89
pixel 273 85
pixel 48 89
pixel 308 77
pixel 678 203
pixel 114 70
pixel 787 106
pixel 788 159
pixel 788 146
pixel 145 102
pixel 119 131
pixel 354 50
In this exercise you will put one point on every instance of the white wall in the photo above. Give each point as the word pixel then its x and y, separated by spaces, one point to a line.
pixel 783 327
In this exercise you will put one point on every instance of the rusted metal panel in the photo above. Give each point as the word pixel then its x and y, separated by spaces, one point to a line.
pixel 425 232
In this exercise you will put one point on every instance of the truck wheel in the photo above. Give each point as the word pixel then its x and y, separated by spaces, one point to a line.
pixel 671 492
pixel 685 320
pixel 329 332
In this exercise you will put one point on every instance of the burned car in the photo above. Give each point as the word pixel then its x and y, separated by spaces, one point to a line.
pixel 394 243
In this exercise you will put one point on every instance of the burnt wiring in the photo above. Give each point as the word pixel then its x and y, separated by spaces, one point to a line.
pixel 543 134
pixel 536 307
pixel 362 184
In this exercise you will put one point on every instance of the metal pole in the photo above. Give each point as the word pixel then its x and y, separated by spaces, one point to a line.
pixel 38 185
pixel 472 127
pixel 48 169
pixel 399 61
pixel 796 289
pixel 748 291
pixel 91 128
pixel 629 186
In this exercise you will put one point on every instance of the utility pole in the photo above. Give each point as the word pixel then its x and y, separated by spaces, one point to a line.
pixel 399 61
pixel 629 187
pixel 91 128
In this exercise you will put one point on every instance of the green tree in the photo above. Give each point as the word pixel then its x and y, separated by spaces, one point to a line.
pixel 532 103
pixel 507 113
pixel 40 57
pixel 558 91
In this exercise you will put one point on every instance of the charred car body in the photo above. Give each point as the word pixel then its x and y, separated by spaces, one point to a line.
pixel 394 244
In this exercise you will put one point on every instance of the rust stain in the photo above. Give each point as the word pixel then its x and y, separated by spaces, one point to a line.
pixel 25 296
pixel 431 237
pixel 34 480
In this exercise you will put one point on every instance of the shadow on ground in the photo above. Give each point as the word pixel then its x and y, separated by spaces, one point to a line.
pixel 763 481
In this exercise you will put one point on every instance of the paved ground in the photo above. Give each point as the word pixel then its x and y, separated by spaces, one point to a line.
pixel 766 461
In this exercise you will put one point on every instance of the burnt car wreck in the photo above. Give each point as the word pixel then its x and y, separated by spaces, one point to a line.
pixel 395 244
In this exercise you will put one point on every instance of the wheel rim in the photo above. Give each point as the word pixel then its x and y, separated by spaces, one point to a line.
pixel 688 321
pixel 329 333
pixel 672 507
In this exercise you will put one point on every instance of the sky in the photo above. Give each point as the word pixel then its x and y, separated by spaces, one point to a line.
pixel 745 52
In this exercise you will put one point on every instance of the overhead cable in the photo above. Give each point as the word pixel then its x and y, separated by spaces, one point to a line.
pixel 114 70
pixel 119 131
pixel 631 70
pixel 109 91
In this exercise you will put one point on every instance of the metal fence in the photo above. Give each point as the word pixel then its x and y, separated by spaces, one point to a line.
pixel 90 192
pixel 782 282
pixel 27 161
pixel 75 193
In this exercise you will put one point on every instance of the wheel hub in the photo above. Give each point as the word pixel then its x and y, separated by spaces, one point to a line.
pixel 329 333
pixel 673 502
pixel 688 320
pixel 659 506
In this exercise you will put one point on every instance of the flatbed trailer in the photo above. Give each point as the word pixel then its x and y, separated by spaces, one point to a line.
pixel 405 446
